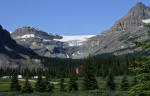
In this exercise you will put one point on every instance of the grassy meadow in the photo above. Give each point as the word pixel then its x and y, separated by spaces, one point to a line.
pixel 102 91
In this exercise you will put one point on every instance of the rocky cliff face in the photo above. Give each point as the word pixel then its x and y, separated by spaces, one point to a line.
pixel 119 39
pixel 41 42
pixel 133 19
pixel 14 55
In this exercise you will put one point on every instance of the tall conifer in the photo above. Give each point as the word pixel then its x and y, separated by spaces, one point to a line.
pixel 142 68
pixel 27 88
pixel 14 86
pixel 89 80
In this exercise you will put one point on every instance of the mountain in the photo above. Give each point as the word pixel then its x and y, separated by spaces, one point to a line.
pixel 120 37
pixel 14 55
pixel 42 43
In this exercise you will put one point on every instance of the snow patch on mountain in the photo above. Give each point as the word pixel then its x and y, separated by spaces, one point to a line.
pixel 76 37
pixel 26 36
pixel 47 40
pixel 75 40
pixel 146 21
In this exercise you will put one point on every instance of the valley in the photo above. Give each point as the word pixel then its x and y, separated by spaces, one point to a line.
pixel 34 62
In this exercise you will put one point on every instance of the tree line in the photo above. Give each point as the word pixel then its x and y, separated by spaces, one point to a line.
pixel 103 64
pixel 89 81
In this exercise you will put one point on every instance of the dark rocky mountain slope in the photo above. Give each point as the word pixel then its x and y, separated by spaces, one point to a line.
pixel 14 55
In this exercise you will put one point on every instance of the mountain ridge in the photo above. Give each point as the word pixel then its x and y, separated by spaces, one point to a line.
pixel 118 37
pixel 109 41
pixel 42 43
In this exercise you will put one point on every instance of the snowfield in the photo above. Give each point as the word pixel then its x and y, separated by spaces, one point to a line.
pixel 146 21
pixel 75 37
pixel 26 36
pixel 75 40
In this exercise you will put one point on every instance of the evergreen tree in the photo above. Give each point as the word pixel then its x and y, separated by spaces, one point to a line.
pixel 124 84
pixel 62 85
pixel 40 86
pixel 50 87
pixel 89 81
pixel 15 83
pixel 27 87
pixel 110 84
pixel 45 83
pixel 134 81
pixel 61 71
pixel 142 69
pixel 73 86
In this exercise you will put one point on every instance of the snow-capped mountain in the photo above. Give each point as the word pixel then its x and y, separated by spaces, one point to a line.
pixel 75 40
pixel 118 39
pixel 42 43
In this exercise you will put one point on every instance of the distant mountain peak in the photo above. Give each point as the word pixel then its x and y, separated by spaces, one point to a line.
pixel 28 31
pixel 133 19
pixel 139 11
pixel 119 39
pixel 140 4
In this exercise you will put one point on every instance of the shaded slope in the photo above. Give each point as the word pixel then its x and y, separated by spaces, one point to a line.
pixel 9 47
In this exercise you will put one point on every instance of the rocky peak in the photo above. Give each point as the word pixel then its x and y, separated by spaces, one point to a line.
pixel 139 5
pixel 139 11
pixel 120 36
pixel 31 32
pixel 26 30
pixel 133 19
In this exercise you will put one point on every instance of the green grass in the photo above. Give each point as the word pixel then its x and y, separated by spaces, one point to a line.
pixel 79 93
pixel 5 83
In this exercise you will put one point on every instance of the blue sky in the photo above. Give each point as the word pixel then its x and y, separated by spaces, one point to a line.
pixel 64 17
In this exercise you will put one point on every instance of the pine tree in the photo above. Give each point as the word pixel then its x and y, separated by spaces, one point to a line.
pixel 73 86
pixel 142 69
pixel 27 87
pixel 15 83
pixel 89 81
pixel 40 86
pixel 134 81
pixel 45 83
pixel 124 83
pixel 110 84
pixel 62 85
pixel 50 87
